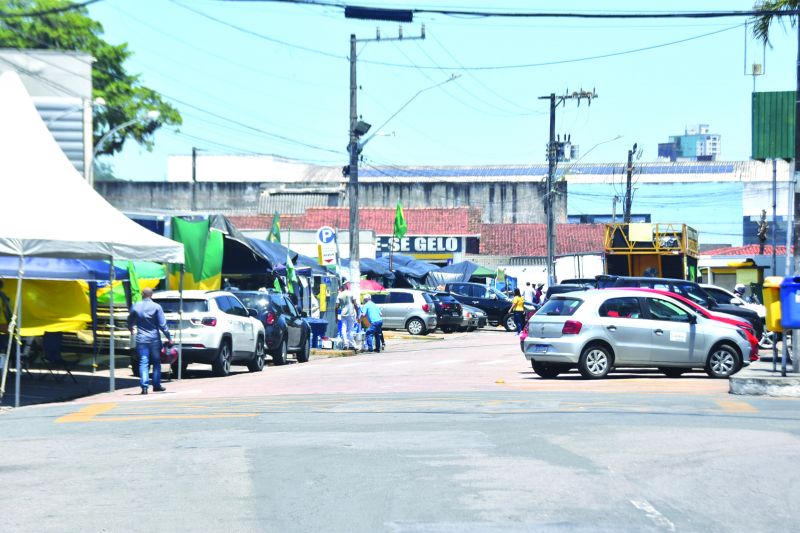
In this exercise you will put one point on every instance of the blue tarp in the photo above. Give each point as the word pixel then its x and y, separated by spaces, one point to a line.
pixel 455 273
pixel 273 252
pixel 62 269
pixel 408 266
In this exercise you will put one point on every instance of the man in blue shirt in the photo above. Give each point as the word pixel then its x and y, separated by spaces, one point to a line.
pixel 375 329
pixel 148 317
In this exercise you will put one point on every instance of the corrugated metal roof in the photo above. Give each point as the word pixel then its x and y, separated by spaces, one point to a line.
pixel 773 125
pixel 293 203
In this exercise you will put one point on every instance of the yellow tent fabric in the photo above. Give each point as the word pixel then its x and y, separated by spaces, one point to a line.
pixel 49 306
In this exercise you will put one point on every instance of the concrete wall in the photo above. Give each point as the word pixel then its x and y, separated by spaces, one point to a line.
pixel 500 202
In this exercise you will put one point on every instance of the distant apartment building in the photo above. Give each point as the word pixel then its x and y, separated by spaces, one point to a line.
pixel 696 144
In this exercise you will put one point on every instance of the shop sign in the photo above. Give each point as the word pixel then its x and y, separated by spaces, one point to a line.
pixel 420 245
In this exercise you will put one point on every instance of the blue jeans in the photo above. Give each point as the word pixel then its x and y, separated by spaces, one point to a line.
pixel 375 330
pixel 149 354
pixel 518 320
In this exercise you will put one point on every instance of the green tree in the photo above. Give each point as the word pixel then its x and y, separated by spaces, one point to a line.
pixel 126 98
pixel 763 22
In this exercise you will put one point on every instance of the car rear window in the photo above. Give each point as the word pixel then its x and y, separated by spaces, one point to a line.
pixel 254 301
pixel 172 305
pixel 560 307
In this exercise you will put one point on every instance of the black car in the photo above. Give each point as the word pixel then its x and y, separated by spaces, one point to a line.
pixel 688 289
pixel 494 303
pixel 567 286
pixel 449 314
pixel 285 331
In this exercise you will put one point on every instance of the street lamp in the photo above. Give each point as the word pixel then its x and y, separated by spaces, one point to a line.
pixel 150 116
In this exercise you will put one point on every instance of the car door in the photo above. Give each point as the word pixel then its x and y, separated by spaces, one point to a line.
pixel 497 305
pixel 244 326
pixel 294 324
pixel 382 301
pixel 675 338
pixel 628 331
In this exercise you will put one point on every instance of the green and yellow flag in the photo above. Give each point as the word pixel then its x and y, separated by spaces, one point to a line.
pixel 400 226
pixel 291 276
pixel 202 252
pixel 275 232
pixel 136 291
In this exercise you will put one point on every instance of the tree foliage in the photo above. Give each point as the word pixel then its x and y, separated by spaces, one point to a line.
pixel 125 97
pixel 762 23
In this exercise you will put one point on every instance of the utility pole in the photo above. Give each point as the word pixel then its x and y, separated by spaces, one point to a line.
pixel 552 160
pixel 194 179
pixel 357 129
pixel 627 218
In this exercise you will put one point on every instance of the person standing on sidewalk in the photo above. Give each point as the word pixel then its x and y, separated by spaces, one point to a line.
pixel 518 308
pixel 347 310
pixel 148 317
pixel 375 317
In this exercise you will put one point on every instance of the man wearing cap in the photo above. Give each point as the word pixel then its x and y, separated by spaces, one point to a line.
pixel 375 329
pixel 148 317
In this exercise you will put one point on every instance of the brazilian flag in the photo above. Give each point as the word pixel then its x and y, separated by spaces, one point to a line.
pixel 202 248
pixel 275 232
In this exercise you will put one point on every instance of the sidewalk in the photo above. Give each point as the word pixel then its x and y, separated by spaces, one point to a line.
pixel 758 379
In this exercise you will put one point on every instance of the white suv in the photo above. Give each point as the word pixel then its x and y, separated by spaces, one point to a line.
pixel 216 329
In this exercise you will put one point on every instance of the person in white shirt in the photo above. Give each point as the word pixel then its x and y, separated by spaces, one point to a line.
pixel 528 292
pixel 347 312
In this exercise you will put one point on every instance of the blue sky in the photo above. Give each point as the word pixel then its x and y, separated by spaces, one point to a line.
pixel 299 99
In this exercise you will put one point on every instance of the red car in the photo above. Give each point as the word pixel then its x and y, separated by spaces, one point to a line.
pixel 728 319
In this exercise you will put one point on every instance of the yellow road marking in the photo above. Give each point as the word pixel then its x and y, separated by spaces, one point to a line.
pixel 87 413
pixel 169 417
pixel 733 406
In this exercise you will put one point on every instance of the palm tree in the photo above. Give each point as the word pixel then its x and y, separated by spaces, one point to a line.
pixel 762 23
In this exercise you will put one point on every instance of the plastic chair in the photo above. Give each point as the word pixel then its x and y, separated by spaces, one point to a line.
pixel 52 356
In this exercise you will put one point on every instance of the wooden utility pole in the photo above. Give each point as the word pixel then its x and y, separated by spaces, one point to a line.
pixel 629 171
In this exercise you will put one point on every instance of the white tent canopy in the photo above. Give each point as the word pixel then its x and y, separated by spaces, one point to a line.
pixel 47 208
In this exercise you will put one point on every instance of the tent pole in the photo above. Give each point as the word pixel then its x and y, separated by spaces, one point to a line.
pixel 180 323
pixel 11 325
pixel 111 361
pixel 18 338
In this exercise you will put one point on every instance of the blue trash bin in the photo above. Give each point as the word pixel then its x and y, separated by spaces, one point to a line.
pixel 790 303
pixel 319 328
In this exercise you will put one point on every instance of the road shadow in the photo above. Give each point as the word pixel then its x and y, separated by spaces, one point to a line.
pixel 632 373
pixel 41 386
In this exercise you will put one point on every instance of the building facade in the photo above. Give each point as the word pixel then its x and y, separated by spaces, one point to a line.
pixel 696 144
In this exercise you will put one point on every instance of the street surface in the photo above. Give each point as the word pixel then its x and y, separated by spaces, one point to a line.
pixel 445 434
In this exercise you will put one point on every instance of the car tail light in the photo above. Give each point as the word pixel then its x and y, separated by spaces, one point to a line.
pixel 270 320
pixel 426 307
pixel 209 321
pixel 571 327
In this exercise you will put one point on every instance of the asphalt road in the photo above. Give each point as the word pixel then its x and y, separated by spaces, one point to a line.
pixel 436 435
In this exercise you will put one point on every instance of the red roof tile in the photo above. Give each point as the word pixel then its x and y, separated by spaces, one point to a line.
pixel 749 249
pixel 530 239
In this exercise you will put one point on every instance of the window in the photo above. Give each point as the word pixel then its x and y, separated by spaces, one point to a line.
pixel 560 307
pixel 223 304
pixel 401 298
pixel 379 298
pixel 171 305
pixel 236 307
pixel 254 300
pixel 621 307
pixel 664 310
pixel 461 289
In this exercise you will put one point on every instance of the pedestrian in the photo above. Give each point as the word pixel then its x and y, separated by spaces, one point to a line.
pixel 375 317
pixel 528 293
pixel 518 308
pixel 148 317
pixel 347 312
pixel 5 310
pixel 537 296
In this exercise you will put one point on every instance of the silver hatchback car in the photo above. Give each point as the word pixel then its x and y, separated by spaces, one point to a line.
pixel 601 329
pixel 407 309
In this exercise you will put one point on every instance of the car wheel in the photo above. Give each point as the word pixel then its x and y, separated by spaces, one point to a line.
pixel 448 329
pixel 305 354
pixel 257 363
pixel 672 372
pixel 135 367
pixel 723 361
pixel 222 364
pixel 415 326
pixel 509 323
pixel 595 362
pixel 546 370
pixel 279 355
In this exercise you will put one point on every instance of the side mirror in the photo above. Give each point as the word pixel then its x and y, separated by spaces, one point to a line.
pixel 252 312
pixel 492 296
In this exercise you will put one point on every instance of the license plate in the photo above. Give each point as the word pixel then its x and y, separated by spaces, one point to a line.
pixel 540 348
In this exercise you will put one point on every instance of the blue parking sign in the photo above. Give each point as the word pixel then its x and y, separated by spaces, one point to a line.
pixel 326 235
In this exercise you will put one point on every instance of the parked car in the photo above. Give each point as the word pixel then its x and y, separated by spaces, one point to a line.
pixel 598 330
pixel 562 288
pixel 285 331
pixel 727 297
pixel 474 318
pixel 722 317
pixel 216 329
pixel 686 288
pixel 494 303
pixel 409 309
pixel 449 315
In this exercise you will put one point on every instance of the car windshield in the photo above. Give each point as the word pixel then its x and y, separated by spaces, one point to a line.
pixel 560 307
pixel 172 305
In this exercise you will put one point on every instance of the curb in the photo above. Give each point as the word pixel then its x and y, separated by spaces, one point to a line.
pixel 759 380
